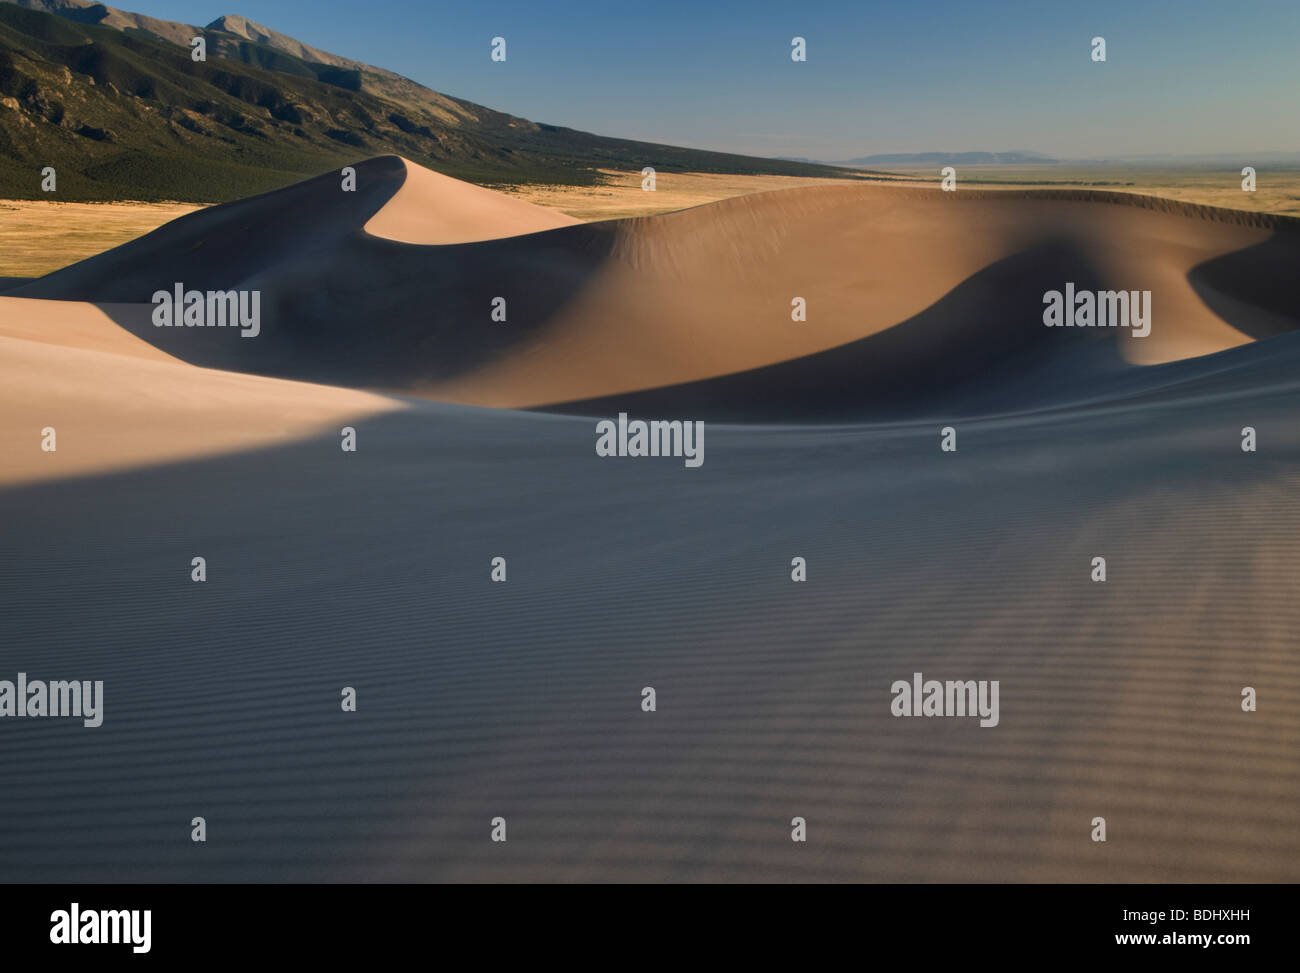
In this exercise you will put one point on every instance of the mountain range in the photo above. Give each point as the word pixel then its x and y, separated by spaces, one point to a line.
pixel 114 101
pixel 1016 158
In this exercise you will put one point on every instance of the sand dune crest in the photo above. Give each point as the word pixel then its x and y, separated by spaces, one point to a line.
pixel 433 209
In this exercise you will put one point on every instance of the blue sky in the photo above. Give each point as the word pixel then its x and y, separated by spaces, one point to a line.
pixel 1193 77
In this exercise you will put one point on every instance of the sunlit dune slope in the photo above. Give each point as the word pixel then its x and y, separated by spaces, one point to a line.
pixel 915 294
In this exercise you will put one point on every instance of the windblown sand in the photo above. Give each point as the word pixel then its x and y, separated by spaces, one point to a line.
pixel 476 700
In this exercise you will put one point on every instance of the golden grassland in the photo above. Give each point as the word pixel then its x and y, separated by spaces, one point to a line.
pixel 621 193
pixel 38 237
pixel 1276 190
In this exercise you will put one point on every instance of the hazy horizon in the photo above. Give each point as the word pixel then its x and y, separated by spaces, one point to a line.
pixel 1138 159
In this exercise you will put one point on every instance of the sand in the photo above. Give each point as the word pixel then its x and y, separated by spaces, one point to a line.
pixel 39 237
pixel 116 402
pixel 475 700
pixel 889 276
pixel 619 195
pixel 1277 190
pixel 432 209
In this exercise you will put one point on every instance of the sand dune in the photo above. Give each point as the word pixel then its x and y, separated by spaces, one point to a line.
pixel 433 209
pixel 476 699
pixel 116 402
pixel 523 699
pixel 943 288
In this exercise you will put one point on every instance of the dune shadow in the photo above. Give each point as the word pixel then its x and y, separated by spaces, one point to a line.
pixel 371 570
pixel 337 305
pixel 1238 286
pixel 981 346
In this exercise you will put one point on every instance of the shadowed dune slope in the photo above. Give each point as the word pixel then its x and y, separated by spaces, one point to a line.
pixel 477 699
pixel 913 296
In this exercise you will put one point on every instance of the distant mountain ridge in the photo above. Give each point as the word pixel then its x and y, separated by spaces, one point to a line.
pixel 100 14
pixel 114 101
pixel 175 32
pixel 236 38
pixel 951 158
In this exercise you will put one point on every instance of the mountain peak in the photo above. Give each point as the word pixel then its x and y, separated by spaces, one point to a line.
pixel 250 30
pixel 242 26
